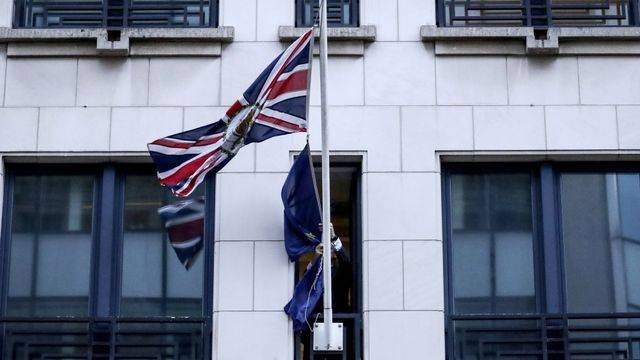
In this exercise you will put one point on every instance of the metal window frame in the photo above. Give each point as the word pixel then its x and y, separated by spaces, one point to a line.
pixel 537 13
pixel 356 259
pixel 548 253
pixel 105 283
pixel 354 9
pixel 19 16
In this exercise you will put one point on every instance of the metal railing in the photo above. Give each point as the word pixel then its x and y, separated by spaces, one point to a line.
pixel 340 13
pixel 105 338
pixel 545 336
pixel 537 13
pixel 115 13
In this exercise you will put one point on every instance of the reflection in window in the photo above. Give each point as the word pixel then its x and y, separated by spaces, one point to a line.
pixel 51 240
pixel 154 281
pixel 601 236
pixel 492 243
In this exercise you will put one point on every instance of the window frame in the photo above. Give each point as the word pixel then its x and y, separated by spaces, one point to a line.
pixel 106 233
pixel 18 22
pixel 549 266
pixel 354 8
pixel 347 161
pixel 550 248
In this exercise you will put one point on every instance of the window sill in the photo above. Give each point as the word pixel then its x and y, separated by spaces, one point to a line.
pixel 342 40
pixel 521 40
pixel 132 42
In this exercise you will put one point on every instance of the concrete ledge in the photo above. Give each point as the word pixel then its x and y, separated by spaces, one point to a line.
pixel 522 40
pixel 134 42
pixel 220 34
pixel 364 33
pixel 342 40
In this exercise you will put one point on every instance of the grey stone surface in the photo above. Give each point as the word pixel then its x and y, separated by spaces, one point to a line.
pixel 363 33
pixel 94 42
pixel 573 41
pixel 222 34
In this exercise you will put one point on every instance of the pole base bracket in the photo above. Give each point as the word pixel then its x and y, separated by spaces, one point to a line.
pixel 321 340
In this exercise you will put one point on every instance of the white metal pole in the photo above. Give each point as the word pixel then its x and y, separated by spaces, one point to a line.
pixel 326 181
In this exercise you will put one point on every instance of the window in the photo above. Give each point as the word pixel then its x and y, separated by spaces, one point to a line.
pixel 115 14
pixel 537 13
pixel 542 259
pixel 340 13
pixel 346 283
pixel 89 245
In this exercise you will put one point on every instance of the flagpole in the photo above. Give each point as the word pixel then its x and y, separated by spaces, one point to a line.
pixel 326 181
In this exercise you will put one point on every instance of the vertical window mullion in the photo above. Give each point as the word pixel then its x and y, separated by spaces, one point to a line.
pixel 105 245
pixel 551 240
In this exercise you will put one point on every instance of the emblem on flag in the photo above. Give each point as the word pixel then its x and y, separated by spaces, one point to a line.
pixel 275 104
pixel 184 222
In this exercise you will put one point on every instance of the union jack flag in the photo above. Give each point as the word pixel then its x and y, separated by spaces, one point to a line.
pixel 184 222
pixel 275 104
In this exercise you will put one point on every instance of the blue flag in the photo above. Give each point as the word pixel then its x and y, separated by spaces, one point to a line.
pixel 302 215
pixel 306 295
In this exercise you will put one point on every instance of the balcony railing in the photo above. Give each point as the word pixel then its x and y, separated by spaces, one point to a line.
pixel 340 13
pixel 104 338
pixel 578 337
pixel 115 13
pixel 538 13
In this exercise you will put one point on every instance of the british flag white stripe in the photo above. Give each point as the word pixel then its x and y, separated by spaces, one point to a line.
pixel 284 117
pixel 285 96
pixel 196 149
pixel 278 127
pixel 301 67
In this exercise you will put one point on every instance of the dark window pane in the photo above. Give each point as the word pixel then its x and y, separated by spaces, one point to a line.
pixel 602 239
pixel 154 281
pixel 492 243
pixel 50 246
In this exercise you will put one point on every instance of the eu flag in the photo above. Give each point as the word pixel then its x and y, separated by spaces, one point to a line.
pixel 306 295
pixel 302 215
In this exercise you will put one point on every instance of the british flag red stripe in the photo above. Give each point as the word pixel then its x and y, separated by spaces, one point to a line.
pixel 275 104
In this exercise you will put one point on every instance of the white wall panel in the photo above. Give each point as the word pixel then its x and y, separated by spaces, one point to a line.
pixel 18 129
pixel 133 128
pixel 73 129
pixel 184 81
pixel 509 128
pixel 581 128
pixel 411 15
pixel 426 129
pixel 403 206
pixel 250 207
pixel 271 15
pixel 629 127
pixel 385 273
pixel 113 82
pixel 345 81
pixel 273 274
pixel 3 64
pixel 471 80
pixel 609 80
pixel 41 82
pixel 253 335
pixel 234 290
pixel 423 275
pixel 543 80
pixel 384 15
pixel 242 16
pixel 406 335
pixel 399 73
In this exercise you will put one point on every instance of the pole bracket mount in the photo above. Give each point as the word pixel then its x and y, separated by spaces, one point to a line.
pixel 321 340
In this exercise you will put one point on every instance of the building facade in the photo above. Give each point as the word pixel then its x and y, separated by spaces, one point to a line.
pixel 484 154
